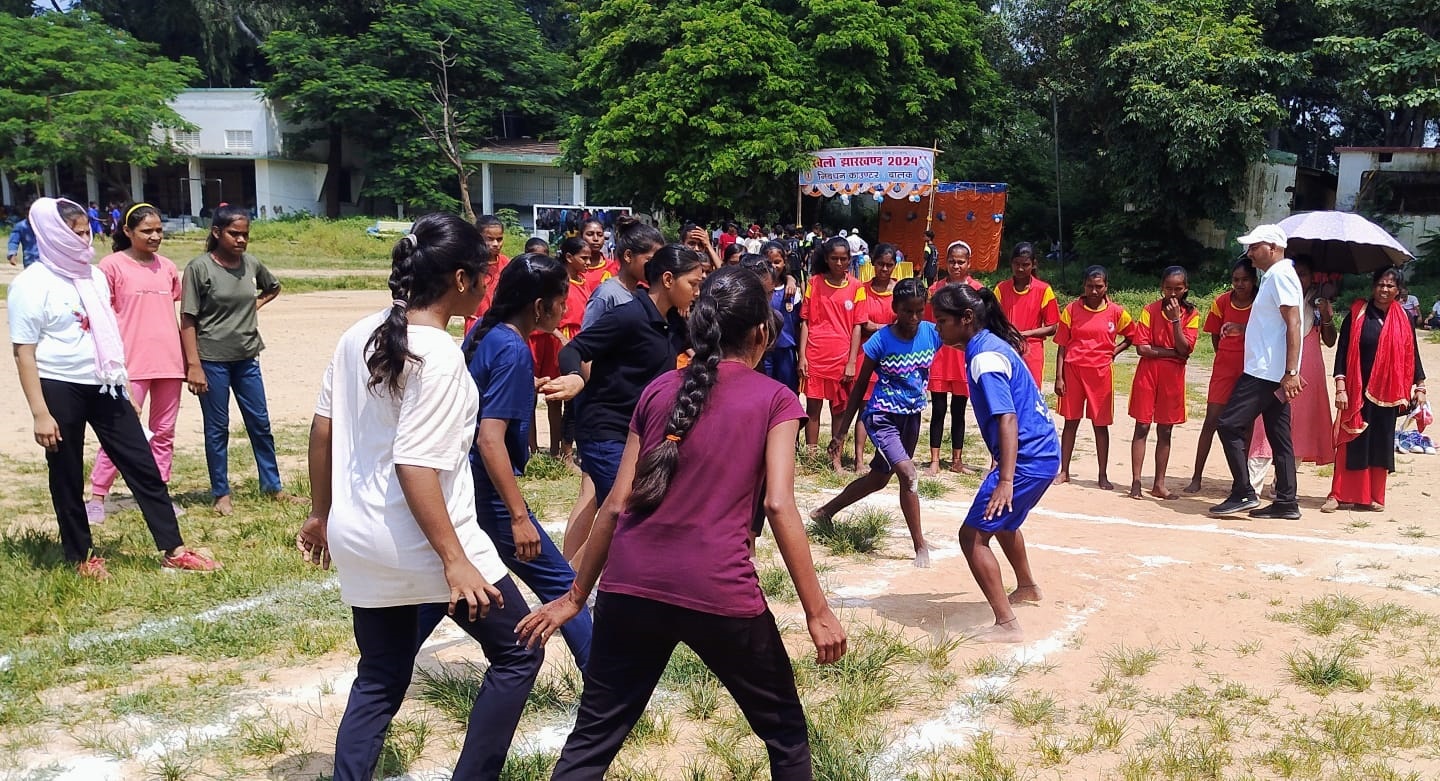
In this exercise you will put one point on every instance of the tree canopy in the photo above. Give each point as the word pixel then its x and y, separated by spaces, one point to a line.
pixel 74 91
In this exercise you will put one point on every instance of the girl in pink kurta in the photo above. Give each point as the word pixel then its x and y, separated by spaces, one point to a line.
pixel 144 287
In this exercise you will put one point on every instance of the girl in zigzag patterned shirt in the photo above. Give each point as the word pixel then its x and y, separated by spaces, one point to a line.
pixel 900 355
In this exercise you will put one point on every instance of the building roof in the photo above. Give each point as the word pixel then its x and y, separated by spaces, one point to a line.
pixel 1417 149
pixel 518 150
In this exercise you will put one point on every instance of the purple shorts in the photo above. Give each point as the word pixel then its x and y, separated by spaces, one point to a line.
pixel 895 437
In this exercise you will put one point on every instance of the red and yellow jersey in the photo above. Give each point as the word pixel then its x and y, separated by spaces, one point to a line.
pixel 1153 329
pixel 878 307
pixel 577 295
pixel 1089 335
pixel 1035 307
pixel 831 313
pixel 492 281
pixel 929 315
pixel 592 276
pixel 1225 311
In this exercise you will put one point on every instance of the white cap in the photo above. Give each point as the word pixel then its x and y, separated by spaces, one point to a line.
pixel 1267 234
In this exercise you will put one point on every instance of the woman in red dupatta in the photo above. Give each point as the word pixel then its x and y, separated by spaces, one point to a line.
pixel 1377 376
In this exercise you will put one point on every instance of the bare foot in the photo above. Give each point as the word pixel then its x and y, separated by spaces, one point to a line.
pixel 934 469
pixel 838 467
pixel 1063 477
pixel 1025 595
pixel 922 557
pixel 964 469
pixel 224 507
pixel 1161 492
pixel 1105 484
pixel 1193 487
pixel 1135 490
pixel 1008 632
pixel 288 498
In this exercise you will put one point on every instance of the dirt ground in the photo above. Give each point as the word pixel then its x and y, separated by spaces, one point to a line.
pixel 1116 572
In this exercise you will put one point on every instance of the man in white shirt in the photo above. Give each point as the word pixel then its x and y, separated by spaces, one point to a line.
pixel 1270 381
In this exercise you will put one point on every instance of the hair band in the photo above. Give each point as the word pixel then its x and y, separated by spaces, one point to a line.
pixel 132 209
pixel 400 303
pixel 412 239
pixel 672 437
pixel 958 243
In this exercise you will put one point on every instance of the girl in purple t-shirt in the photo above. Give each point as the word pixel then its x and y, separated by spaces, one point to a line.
pixel 673 541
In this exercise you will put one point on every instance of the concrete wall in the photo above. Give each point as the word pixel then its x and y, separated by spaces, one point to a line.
pixel 1265 198
pixel 1356 163
pixel 288 186
pixel 238 111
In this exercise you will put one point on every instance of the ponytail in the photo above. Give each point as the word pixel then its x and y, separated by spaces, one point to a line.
pixel 731 304
pixel 634 236
pixel 956 300
pixel 422 265
pixel 134 215
pixel 524 280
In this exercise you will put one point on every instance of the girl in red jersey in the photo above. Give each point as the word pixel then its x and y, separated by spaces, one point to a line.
pixel 876 313
pixel 593 232
pixel 1086 347
pixel 1029 304
pixel 1226 326
pixel 575 254
pixel 492 231
pixel 1164 339
pixel 830 320
pixel 947 374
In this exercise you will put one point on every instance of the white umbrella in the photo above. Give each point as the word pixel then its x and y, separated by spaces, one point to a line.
pixel 1342 242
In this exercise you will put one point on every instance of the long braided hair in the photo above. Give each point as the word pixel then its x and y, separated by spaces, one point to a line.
pixel 422 268
pixel 731 304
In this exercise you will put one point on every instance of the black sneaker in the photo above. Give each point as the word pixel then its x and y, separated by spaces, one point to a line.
pixel 1235 506
pixel 1280 511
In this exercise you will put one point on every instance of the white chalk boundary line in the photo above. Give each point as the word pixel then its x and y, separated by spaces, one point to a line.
pixel 145 629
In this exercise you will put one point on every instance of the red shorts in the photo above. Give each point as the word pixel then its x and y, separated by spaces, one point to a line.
pixel 1035 361
pixel 826 389
pixel 1158 395
pixel 1223 376
pixel 1089 393
pixel 947 372
pixel 545 348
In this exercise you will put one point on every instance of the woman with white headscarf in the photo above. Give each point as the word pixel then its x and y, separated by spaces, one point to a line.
pixel 72 369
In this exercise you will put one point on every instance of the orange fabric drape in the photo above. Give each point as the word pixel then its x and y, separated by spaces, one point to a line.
pixel 962 214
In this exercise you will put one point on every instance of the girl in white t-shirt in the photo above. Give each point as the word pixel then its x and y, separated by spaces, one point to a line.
pixel 393 501
pixel 71 361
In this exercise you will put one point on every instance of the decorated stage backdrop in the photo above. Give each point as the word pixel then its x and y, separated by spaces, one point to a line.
pixel 973 212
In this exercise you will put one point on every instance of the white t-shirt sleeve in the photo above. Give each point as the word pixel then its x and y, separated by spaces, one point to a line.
pixel 432 419
pixel 327 388
pixel 1287 290
pixel 26 312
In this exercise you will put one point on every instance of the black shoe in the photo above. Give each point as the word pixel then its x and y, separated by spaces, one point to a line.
pixel 1280 511
pixel 1235 506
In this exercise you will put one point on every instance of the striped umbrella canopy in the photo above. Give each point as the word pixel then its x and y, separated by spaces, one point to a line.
pixel 1342 242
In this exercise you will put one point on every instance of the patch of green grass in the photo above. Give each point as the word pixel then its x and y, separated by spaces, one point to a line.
pixel 654 728
pixel 860 532
pixel 1325 615
pixel 295 285
pixel 685 668
pixel 932 488
pixel 545 467
pixel 982 760
pixel 1131 662
pixel 703 699
pixel 530 766
pixel 1325 671
pixel 267 736
pixel 775 582
pixel 404 744
pixel 1034 708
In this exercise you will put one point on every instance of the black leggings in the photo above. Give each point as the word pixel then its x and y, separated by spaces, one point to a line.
pixel 957 419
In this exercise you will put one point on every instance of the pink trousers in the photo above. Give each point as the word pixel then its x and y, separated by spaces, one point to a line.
pixel 164 395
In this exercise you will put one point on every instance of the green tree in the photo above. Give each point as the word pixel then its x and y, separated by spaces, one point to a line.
pixel 1390 54
pixel 74 91
pixel 716 104
pixel 382 87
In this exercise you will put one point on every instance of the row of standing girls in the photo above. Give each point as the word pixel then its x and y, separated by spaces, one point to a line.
pixel 414 455
pixel 112 327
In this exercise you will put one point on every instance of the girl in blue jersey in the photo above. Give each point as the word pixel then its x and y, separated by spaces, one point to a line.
pixel 899 355
pixel 1021 438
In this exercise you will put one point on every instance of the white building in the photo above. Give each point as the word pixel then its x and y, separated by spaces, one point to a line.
pixel 520 173
pixel 1275 187
pixel 1402 183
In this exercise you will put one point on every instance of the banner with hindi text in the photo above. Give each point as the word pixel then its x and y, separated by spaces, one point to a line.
pixel 894 171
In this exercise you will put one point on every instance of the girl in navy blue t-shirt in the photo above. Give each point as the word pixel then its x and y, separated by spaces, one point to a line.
pixel 529 296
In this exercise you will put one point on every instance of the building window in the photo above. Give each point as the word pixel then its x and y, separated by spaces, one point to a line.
pixel 1400 192
pixel 239 140
pixel 186 139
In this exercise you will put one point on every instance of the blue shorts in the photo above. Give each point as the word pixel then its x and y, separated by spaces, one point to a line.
pixel 895 437
pixel 1028 490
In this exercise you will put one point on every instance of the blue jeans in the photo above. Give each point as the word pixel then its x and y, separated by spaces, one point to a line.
pixel 548 575
pixel 242 377
pixel 601 460
pixel 387 661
